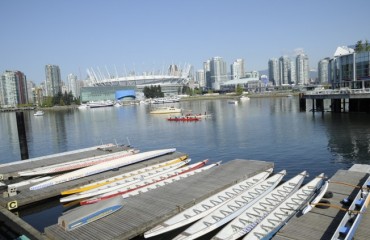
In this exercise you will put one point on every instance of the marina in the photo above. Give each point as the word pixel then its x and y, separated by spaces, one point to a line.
pixel 150 208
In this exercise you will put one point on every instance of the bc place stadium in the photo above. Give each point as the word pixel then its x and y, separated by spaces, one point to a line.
pixel 102 85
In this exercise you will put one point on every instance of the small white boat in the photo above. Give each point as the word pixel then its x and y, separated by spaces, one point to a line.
pixel 165 110
pixel 99 104
pixel 38 113
pixel 317 199
pixel 235 102
pixel 247 220
pixel 232 209
pixel 243 98
pixel 102 167
pixel 276 219
pixel 351 220
pixel 208 205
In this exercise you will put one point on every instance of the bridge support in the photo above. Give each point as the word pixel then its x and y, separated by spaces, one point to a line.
pixel 336 105
pixel 320 105
pixel 302 103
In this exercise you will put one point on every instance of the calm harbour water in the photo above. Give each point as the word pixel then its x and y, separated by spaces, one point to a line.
pixel 268 129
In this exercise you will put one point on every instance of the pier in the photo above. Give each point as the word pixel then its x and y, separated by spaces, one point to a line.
pixel 342 100
pixel 142 212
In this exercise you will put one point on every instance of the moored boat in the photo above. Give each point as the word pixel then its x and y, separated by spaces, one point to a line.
pixel 276 219
pixel 106 181
pixel 124 182
pixel 232 209
pixel 38 113
pixel 247 220
pixel 351 220
pixel 144 183
pixel 317 199
pixel 99 104
pixel 165 110
pixel 208 205
pixel 81 163
pixel 102 167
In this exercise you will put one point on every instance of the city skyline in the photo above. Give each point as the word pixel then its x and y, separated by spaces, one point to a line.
pixel 143 36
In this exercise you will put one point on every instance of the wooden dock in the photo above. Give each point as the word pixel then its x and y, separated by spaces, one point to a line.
pixel 321 223
pixel 141 213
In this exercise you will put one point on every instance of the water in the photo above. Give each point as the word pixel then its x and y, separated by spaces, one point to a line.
pixel 268 129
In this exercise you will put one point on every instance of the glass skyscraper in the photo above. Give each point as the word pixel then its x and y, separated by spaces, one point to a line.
pixel 53 81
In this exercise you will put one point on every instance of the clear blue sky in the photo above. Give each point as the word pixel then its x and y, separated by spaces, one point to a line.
pixel 142 35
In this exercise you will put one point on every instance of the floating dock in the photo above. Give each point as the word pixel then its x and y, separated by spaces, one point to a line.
pixel 142 212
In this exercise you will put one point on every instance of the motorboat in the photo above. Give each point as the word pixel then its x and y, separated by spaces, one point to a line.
pixel 165 110
pixel 38 113
pixel 98 104
pixel 232 101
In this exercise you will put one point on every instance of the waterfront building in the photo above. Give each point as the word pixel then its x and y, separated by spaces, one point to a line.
pixel 13 89
pixel 293 73
pixel 200 78
pixel 252 74
pixel 284 68
pixel 30 86
pixel 207 73
pixel 248 84
pixel 53 82
pixel 349 68
pixel 273 69
pixel 303 70
pixel 218 72
pixel 73 85
pixel 103 93
pixel 237 69
pixel 323 68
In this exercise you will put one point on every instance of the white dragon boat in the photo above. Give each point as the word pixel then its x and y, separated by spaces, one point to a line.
pixel 143 183
pixel 124 182
pixel 77 164
pixel 102 167
pixel 317 199
pixel 276 219
pixel 232 209
pixel 168 180
pixel 208 205
pixel 351 220
pixel 245 222
pixel 119 177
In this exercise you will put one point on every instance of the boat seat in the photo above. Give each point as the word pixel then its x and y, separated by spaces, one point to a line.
pixel 359 203
pixel 343 230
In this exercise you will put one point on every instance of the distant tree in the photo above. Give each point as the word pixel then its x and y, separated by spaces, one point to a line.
pixel 239 89
pixel 47 102
pixel 359 47
pixel 367 46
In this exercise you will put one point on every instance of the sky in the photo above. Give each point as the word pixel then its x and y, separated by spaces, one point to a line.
pixel 147 35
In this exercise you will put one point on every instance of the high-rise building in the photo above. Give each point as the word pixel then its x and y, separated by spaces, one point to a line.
pixel 284 68
pixel 207 73
pixel 293 73
pixel 237 69
pixel 73 85
pixel 218 72
pixel 53 82
pixel 13 88
pixel 323 68
pixel 274 71
pixel 200 78
pixel 303 70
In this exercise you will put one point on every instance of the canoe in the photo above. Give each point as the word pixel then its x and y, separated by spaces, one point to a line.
pixel 122 176
pixel 351 220
pixel 276 219
pixel 28 182
pixel 124 182
pixel 144 183
pixel 87 214
pixel 208 205
pixel 168 181
pixel 243 224
pixel 232 209
pixel 102 167
pixel 317 199
pixel 77 164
